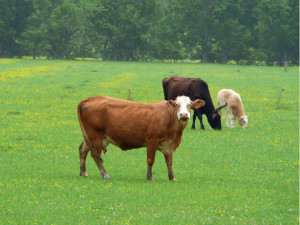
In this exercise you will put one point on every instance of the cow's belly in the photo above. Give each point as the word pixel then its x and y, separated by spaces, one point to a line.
pixel 122 144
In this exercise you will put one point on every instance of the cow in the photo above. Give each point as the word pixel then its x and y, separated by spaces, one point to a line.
pixel 195 88
pixel 129 125
pixel 234 107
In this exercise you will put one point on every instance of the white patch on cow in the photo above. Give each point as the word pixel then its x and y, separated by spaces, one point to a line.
pixel 184 104
pixel 105 142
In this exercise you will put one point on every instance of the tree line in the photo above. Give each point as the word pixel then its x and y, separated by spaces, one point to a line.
pixel 245 31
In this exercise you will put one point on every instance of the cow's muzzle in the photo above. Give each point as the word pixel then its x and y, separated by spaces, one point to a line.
pixel 184 116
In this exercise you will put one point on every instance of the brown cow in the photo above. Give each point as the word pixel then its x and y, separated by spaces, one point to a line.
pixel 128 125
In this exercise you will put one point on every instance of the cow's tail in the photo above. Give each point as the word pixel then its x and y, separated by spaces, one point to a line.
pixel 85 137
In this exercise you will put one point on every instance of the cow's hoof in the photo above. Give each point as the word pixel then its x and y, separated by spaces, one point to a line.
pixel 83 174
pixel 173 180
pixel 106 176
pixel 150 179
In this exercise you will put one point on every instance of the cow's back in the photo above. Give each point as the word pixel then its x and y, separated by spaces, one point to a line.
pixel 177 86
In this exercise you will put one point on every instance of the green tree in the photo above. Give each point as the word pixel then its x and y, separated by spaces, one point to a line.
pixel 210 30
pixel 277 28
pixel 199 22
pixel 55 27
pixel 231 34
pixel 120 27
pixel 13 18
pixel 165 33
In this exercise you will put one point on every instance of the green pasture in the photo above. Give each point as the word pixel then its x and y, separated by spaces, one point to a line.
pixel 233 176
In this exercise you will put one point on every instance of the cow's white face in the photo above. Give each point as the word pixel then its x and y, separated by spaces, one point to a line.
pixel 184 105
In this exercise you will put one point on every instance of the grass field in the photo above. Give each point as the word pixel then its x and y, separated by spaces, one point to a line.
pixel 233 176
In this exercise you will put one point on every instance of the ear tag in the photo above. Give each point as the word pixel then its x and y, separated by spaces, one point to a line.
pixel 197 106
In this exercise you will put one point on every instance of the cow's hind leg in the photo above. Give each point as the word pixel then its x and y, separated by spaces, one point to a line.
pixel 169 161
pixel 96 154
pixel 83 152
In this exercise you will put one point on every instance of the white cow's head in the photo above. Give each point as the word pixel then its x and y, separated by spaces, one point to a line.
pixel 243 121
pixel 184 106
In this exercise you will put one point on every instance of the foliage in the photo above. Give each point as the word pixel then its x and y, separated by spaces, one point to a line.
pixel 129 30
pixel 13 14
pixel 278 30
pixel 234 176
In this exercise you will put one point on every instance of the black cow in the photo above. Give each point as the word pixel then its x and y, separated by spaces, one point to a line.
pixel 195 88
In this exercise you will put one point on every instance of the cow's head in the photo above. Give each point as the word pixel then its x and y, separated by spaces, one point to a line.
pixel 215 121
pixel 243 121
pixel 216 118
pixel 184 105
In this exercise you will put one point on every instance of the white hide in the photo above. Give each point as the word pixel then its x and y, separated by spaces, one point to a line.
pixel 234 108
pixel 184 104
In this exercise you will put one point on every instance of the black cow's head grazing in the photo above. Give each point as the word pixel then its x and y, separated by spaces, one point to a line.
pixel 215 120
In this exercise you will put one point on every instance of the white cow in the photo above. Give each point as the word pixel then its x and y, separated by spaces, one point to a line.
pixel 234 107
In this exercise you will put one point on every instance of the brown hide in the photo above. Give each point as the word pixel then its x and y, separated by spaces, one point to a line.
pixel 129 125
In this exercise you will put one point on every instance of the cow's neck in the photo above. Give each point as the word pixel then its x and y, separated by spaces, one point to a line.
pixel 239 111
pixel 181 125
pixel 208 110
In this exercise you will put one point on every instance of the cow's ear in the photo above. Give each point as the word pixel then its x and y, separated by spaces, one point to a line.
pixel 172 102
pixel 198 103
pixel 215 113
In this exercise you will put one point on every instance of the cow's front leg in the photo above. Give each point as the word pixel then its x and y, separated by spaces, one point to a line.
pixel 232 122
pixel 169 162
pixel 199 115
pixel 227 118
pixel 83 152
pixel 150 161
pixel 201 121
